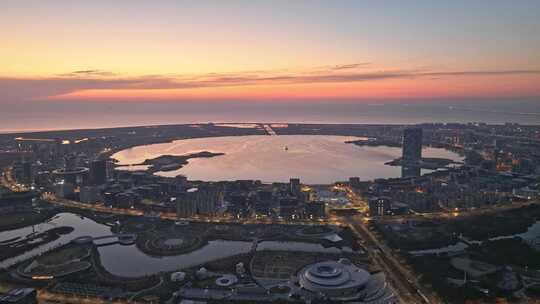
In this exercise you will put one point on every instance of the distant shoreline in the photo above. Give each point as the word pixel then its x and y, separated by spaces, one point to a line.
pixel 42 131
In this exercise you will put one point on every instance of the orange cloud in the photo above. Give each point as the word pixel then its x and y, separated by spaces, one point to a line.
pixel 352 81
pixel 391 88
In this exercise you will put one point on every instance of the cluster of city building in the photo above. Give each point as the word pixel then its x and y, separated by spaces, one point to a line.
pixel 497 169
pixel 74 175
pixel 501 164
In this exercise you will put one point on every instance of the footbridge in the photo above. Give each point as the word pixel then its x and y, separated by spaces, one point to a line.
pixel 269 130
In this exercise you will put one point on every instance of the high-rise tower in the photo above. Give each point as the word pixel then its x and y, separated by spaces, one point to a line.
pixel 412 145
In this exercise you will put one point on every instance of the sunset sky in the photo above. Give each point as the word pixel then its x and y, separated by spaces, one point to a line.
pixel 268 50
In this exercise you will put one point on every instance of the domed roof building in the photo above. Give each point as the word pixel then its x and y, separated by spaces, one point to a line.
pixel 342 281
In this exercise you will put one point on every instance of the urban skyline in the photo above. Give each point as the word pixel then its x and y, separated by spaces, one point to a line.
pixel 240 152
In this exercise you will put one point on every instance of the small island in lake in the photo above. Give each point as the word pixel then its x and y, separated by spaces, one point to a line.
pixel 173 162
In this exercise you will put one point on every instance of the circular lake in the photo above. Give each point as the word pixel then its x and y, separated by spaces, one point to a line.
pixel 315 159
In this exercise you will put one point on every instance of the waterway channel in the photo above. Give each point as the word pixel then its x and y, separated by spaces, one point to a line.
pixel 129 261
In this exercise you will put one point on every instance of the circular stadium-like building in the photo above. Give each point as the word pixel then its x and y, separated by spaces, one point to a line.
pixel 226 280
pixel 341 281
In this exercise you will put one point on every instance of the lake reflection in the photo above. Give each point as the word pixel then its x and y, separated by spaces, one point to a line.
pixel 82 227
pixel 121 260
pixel 316 159
pixel 128 261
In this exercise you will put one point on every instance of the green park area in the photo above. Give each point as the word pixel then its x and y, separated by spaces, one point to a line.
pixel 14 220
pixel 64 255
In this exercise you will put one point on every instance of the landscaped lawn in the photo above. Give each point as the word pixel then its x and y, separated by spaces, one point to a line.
pixel 20 219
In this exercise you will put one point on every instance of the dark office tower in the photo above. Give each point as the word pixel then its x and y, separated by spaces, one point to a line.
pixel 412 145
pixel 27 173
pixel 98 172
pixel 294 186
